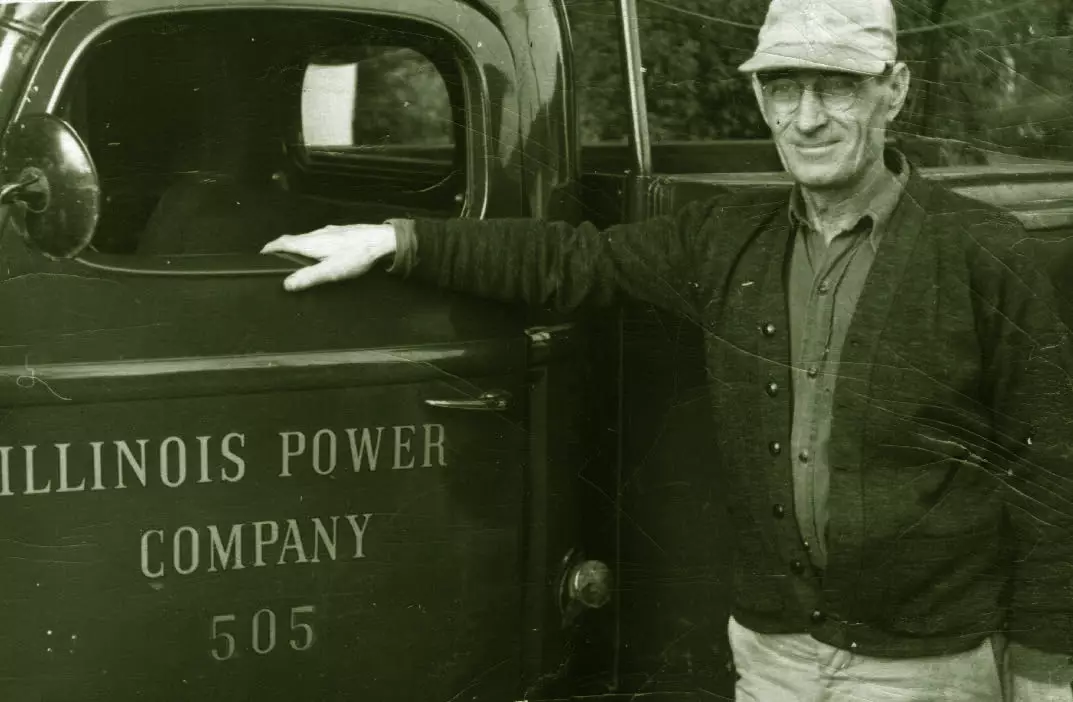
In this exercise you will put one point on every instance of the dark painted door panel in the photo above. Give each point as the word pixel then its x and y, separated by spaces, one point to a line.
pixel 212 489
pixel 672 557
pixel 292 545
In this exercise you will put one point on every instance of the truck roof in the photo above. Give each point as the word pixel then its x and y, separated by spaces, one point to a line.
pixel 32 17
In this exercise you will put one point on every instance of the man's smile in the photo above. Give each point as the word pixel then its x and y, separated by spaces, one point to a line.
pixel 815 149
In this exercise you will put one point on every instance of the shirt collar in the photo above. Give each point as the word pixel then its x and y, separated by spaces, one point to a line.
pixel 876 213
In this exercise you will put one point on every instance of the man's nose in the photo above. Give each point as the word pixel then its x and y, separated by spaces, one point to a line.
pixel 811 112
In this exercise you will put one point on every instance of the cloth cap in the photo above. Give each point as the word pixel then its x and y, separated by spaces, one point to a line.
pixel 854 36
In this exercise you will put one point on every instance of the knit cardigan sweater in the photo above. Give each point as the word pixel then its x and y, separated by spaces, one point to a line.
pixel 951 489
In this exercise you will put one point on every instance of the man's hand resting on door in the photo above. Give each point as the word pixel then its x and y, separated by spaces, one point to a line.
pixel 341 251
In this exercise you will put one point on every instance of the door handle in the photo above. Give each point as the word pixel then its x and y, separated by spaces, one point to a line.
pixel 491 401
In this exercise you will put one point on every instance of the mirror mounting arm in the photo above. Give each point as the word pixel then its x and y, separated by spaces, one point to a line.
pixel 31 189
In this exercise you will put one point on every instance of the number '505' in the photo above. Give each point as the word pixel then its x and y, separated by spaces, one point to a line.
pixel 228 633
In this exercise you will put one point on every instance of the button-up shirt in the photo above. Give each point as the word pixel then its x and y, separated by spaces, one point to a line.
pixel 824 284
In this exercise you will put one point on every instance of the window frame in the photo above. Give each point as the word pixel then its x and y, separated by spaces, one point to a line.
pixel 338 171
pixel 360 149
pixel 480 48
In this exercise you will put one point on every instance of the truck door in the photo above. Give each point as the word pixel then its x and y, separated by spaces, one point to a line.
pixel 215 490
pixel 672 565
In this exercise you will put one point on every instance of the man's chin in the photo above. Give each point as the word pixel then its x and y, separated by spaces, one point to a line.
pixel 816 177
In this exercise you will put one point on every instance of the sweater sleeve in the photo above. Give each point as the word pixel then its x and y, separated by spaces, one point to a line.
pixel 662 260
pixel 1029 379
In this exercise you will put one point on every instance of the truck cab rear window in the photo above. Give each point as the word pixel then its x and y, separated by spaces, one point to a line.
pixel 217 132
pixel 390 100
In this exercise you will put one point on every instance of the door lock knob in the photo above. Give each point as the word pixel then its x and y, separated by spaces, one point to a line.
pixel 584 584
pixel 589 583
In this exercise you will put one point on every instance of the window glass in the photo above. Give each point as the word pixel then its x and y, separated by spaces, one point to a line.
pixel 602 98
pixel 691 50
pixel 991 77
pixel 329 94
pixel 394 96
pixel 216 132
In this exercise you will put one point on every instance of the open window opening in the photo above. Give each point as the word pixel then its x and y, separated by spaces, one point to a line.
pixel 217 132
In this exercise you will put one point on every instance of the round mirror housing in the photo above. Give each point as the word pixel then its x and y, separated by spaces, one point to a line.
pixel 49 186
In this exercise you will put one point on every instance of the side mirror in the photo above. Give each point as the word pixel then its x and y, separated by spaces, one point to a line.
pixel 50 184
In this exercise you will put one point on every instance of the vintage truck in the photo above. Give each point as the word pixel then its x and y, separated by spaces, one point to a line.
pixel 211 489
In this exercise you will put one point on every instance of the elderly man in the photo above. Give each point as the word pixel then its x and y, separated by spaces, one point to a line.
pixel 891 384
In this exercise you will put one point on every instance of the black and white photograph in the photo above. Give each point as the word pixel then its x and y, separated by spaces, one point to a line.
pixel 536 351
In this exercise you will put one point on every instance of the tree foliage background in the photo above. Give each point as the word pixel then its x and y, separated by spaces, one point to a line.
pixel 401 99
pixel 992 78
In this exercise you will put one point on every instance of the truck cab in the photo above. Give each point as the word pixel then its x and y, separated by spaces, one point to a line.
pixel 212 489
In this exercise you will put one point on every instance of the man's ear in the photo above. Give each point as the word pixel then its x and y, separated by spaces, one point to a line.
pixel 899 89
pixel 758 93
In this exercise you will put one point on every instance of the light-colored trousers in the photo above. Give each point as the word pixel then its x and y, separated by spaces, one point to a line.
pixel 798 668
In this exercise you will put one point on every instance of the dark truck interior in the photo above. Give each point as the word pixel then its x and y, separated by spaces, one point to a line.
pixel 195 125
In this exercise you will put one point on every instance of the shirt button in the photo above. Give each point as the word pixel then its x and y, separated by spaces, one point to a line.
pixel 772 389
pixel 824 287
pixel 797 567
pixel 813 372
pixel 779 511
pixel 807 545
pixel 853 645
pixel 817 617
pixel 768 329
pixel 803 456
pixel 775 448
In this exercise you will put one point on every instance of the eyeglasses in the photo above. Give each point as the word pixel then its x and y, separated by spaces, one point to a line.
pixel 837 91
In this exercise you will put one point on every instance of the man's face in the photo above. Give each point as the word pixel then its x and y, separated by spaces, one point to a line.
pixel 830 127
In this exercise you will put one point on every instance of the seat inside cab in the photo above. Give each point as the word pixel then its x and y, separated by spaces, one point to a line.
pixel 215 132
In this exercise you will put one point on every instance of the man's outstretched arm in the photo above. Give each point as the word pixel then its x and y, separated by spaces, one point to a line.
pixel 667 260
